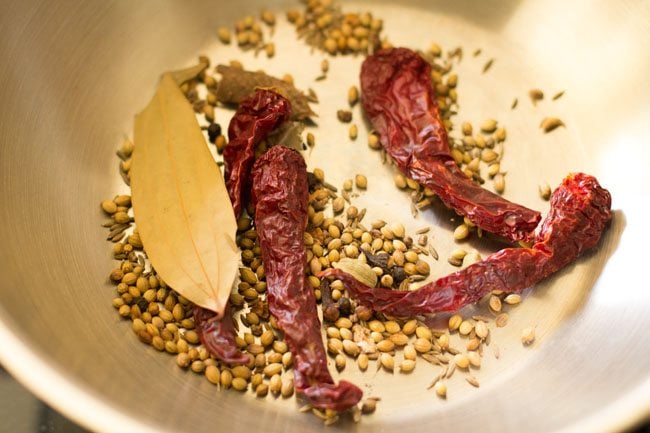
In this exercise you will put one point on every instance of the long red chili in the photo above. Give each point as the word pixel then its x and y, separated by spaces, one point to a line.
pixel 580 210
pixel 280 196
pixel 399 100
pixel 256 117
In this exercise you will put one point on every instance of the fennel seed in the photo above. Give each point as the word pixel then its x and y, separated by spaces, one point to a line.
pixel 472 381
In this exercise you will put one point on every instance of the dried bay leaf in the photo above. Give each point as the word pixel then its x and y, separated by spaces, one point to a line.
pixel 187 74
pixel 182 209
pixel 236 85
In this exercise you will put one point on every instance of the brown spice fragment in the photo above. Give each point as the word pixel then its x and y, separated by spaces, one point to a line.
pixel 488 65
pixel 514 104
pixel 237 84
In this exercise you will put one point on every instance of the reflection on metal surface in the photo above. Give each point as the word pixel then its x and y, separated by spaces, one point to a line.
pixel 73 77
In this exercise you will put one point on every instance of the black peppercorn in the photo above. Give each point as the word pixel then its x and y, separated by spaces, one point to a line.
pixel 214 130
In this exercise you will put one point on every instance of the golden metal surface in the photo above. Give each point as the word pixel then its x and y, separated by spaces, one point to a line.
pixel 73 75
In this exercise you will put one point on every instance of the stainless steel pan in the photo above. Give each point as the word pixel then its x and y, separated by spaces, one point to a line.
pixel 71 78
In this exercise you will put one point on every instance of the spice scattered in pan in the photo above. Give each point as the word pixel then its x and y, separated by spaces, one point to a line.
pixel 441 389
pixel 488 65
pixel 535 95
pixel 255 345
pixel 528 336
pixel 323 25
pixel 344 116
pixel 224 35
pixel 550 123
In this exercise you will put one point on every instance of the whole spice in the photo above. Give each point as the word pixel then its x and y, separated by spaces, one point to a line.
pixel 353 132
pixel 528 336
pixel 472 381
pixel 535 95
pixel 214 131
pixel 361 181
pixel 256 117
pixel 178 197
pixel 109 206
pixel 401 104
pixel 512 299
pixel 330 309
pixel 269 49
pixel 323 25
pixel 353 95
pixel 162 318
pixel 280 196
pixel 369 406
pixel 237 85
pixel 181 76
pixel 268 17
pixel 344 116
pixel 489 126
pixel 218 335
pixel 580 211
pixel 441 389
pixel 360 270
pixel 224 35
pixel 488 65
pixel 550 123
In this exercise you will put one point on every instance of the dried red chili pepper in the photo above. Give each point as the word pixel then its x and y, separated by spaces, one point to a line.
pixel 580 210
pixel 280 196
pixel 399 99
pixel 218 336
pixel 256 117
